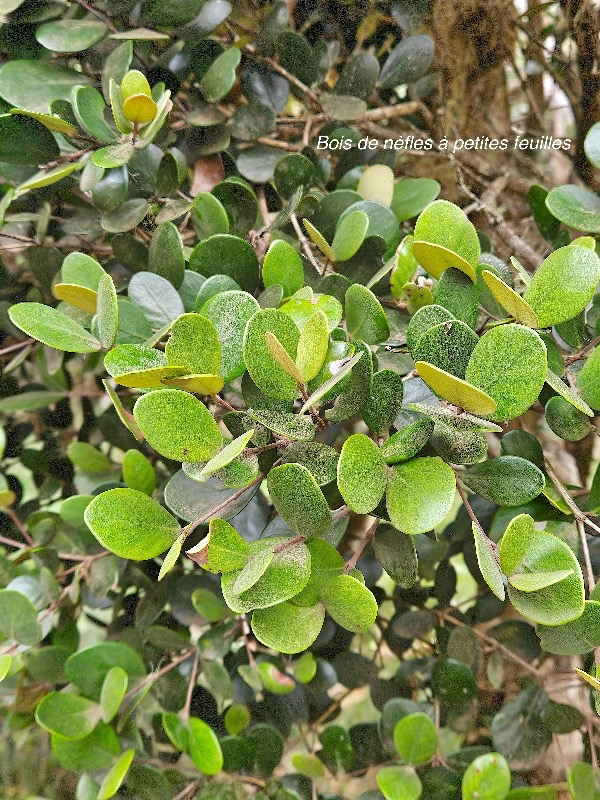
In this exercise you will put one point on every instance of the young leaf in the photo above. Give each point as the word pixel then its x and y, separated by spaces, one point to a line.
pixel 456 391
pixel 512 302
pixel 299 500
pixel 52 327
pixel 172 556
pixel 203 747
pixel 350 232
pixel 177 425
pixel 330 383
pixel 488 563
pixel 252 571
pixel 567 393
pixel 108 312
pixel 113 691
pixel 227 454
pixel 486 778
pixel 78 296
pixel 312 346
pixel 196 384
pixel 281 356
pixel 116 775
pixel 444 238
pixel 399 783
pixel 361 474
pixel 319 240
pixel 226 551
pixel 419 494
pixel 131 524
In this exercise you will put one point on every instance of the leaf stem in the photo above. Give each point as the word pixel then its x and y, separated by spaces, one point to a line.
pixel 193 525
pixel 369 534
pixel 185 713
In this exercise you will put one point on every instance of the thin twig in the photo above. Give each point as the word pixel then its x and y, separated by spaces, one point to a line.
pixel 185 713
pixel 369 534
pixel 193 525
pixel 305 246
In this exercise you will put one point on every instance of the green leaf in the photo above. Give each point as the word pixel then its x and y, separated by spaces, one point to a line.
pixel 591 145
pixel 286 627
pixel 227 454
pixel 584 782
pixel 488 563
pixel 223 254
pixel 385 401
pixel 67 715
pixel 70 35
pixel 509 363
pixel 116 775
pixel 274 680
pixel 506 480
pixel 447 346
pixel 171 558
pixel 361 474
pixel 204 748
pixel 226 551
pixel 453 681
pixel 138 472
pixel 576 207
pixel 407 442
pixel 299 499
pixel 365 317
pixel 82 270
pixel 208 216
pixel 97 751
pixel 547 224
pixel 88 458
pixel 528 582
pixel 108 312
pixel 358 76
pixel 351 231
pixel 194 343
pixel 25 141
pixel 487 778
pixel 408 61
pixel 129 215
pixel 398 556
pixel 318 238
pixel 444 238
pixel 252 571
pixel 320 459
pixel 220 76
pixel 588 380
pixel 422 320
pixel 109 158
pixel 34 85
pixel 415 739
pixel 286 576
pixel 512 302
pixel 302 308
pixel 566 421
pixel 343 107
pixel 297 56
pixel 18 618
pixel 309 765
pixel 177 425
pixel 53 328
pixel 166 254
pixel 113 691
pixel 411 196
pixel 333 381
pixel 264 370
pixel 293 426
pixel 312 346
pixel 399 783
pixel 87 668
pixel 356 393
pixel 49 121
pixel 523 549
pixel 420 493
pixel 131 524
pixel 282 265
pixel 565 391
pixel 156 297
pixel 349 603
pixel 88 107
pixel 175 730
pixel 563 284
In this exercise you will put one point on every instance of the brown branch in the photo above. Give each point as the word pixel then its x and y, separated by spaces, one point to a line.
pixel 369 534
pixel 185 713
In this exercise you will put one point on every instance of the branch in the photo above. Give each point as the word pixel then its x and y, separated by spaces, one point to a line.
pixel 370 534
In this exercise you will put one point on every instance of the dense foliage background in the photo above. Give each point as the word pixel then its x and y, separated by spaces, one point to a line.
pixel 241 335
